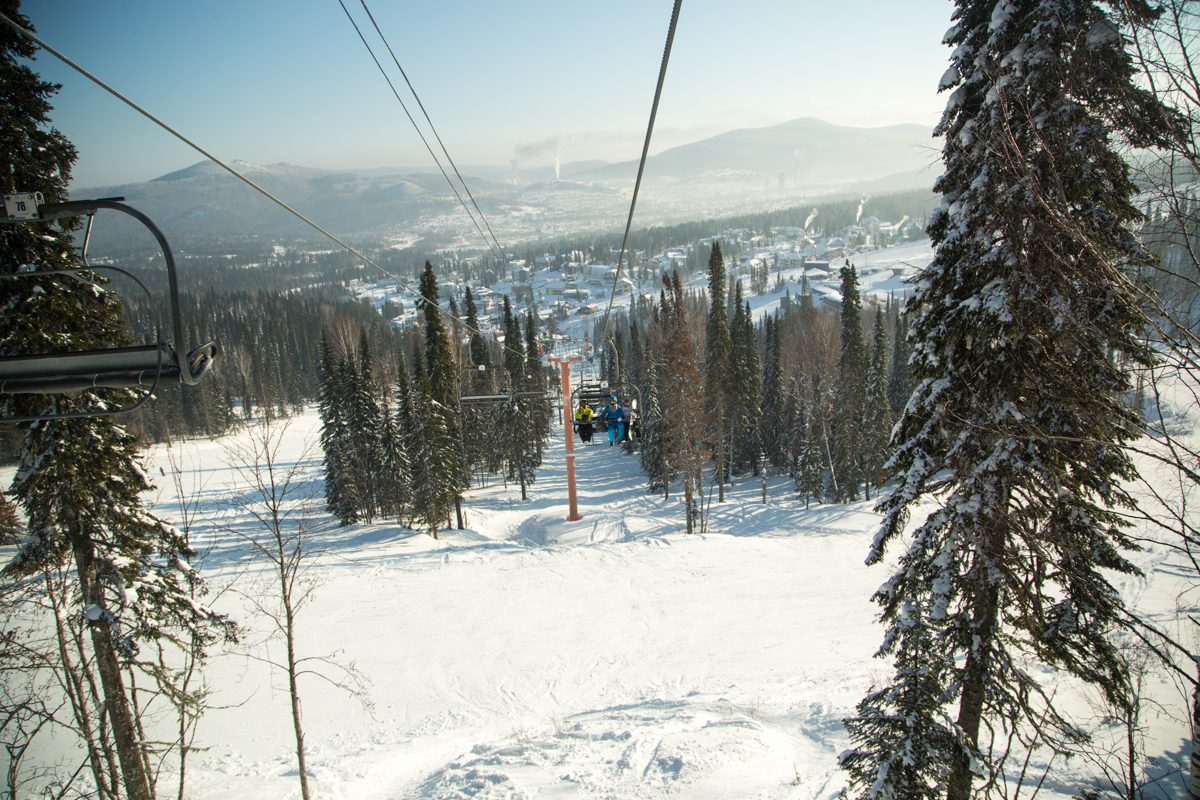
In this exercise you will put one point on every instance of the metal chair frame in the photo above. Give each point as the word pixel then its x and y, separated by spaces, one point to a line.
pixel 139 366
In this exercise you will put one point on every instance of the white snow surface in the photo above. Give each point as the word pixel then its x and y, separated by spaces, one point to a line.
pixel 527 656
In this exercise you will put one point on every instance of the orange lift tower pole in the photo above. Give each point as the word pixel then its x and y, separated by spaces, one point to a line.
pixel 569 426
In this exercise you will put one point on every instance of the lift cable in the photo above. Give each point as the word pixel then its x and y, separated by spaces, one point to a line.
pixel 424 141
pixel 432 128
pixel 662 73
pixel 31 36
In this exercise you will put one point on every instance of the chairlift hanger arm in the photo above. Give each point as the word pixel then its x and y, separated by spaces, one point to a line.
pixel 145 366
pixel 192 367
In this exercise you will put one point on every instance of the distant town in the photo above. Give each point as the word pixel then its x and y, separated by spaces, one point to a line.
pixel 571 285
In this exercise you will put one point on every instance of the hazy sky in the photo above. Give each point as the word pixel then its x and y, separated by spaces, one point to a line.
pixel 289 80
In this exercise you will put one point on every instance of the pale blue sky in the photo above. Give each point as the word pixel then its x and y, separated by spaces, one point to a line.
pixel 288 80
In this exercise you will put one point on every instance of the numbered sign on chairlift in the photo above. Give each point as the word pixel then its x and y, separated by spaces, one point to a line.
pixel 23 206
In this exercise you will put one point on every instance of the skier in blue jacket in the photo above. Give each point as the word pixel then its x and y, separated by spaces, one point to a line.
pixel 613 419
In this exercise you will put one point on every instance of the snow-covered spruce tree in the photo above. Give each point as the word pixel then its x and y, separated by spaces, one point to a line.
pixel 479 350
pixel 651 425
pixel 520 420
pixel 717 345
pixel 394 476
pixel 746 374
pixel 514 347
pixel 683 436
pixel 849 393
pixel 1015 427
pixel 900 383
pixel 330 409
pixel 877 413
pixel 350 487
pixel 438 411
pixel 810 467
pixel 79 481
pixel 538 411
pixel 363 423
pixel 423 439
pixel 775 417
pixel 411 431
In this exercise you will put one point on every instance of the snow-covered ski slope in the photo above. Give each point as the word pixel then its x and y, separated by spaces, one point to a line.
pixel 531 657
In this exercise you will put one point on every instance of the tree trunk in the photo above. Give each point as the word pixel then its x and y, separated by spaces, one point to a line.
pixel 294 690
pixel 689 498
pixel 116 704
pixel 970 707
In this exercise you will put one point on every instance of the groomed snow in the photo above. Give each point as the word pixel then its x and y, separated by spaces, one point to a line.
pixel 531 657
pixel 528 656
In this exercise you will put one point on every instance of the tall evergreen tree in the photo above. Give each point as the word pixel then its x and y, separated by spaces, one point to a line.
pixel 900 383
pixel 80 481
pixel 479 349
pixel 411 429
pixel 537 411
pixel 351 488
pixel 1027 315
pixel 333 427
pixel 393 476
pixel 746 381
pixel 364 421
pixel 775 431
pixel 514 348
pixel 683 438
pixel 717 345
pixel 428 510
pixel 651 426
pixel 849 392
pixel 877 413
pixel 810 471
pixel 439 409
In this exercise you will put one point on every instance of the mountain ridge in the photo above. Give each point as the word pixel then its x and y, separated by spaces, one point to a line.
pixel 732 172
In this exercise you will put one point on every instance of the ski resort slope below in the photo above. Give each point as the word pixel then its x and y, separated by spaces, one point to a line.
pixel 526 656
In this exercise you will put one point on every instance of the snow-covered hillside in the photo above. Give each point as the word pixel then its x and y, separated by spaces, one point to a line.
pixel 531 657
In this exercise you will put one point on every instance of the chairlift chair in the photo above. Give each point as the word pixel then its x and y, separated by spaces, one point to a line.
pixel 146 366
pixel 597 394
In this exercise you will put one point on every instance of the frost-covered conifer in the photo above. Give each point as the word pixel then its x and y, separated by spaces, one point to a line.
pixel 810 469
pixel 438 410
pixel 683 436
pixel 850 393
pixel 330 409
pixel 774 418
pixel 350 488
pixel 877 413
pixel 479 350
pixel 651 425
pixel 746 380
pixel 394 476
pixel 514 348
pixel 900 384
pixel 717 346
pixel 1021 325
pixel 364 422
